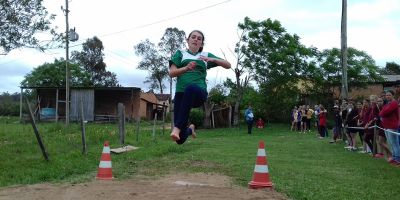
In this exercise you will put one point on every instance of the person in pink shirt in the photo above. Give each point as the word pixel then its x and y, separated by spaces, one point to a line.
pixel 390 122
pixel 382 141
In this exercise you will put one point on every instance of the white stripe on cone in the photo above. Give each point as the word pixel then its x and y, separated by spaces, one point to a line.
pixel 261 169
pixel 261 152
pixel 105 164
pixel 106 150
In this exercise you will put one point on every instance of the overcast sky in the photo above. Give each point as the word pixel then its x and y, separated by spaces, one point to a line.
pixel 373 26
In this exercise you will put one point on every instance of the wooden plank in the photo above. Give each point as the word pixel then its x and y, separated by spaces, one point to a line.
pixel 87 96
pixel 124 149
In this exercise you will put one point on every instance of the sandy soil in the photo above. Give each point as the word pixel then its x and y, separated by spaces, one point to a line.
pixel 172 187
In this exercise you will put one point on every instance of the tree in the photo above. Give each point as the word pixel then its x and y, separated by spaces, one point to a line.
pixel 216 96
pixel 391 68
pixel 361 69
pixel 20 21
pixel 9 104
pixel 154 63
pixel 91 59
pixel 277 61
pixel 53 75
pixel 172 40
pixel 240 70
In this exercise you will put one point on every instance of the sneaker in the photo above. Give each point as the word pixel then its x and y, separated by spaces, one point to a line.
pixel 362 151
pixel 348 147
pixel 379 155
pixel 332 141
pixel 394 163
pixel 354 149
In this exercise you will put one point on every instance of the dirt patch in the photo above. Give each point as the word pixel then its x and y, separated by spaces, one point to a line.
pixel 173 187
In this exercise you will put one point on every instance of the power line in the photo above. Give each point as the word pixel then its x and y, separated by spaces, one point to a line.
pixel 139 27
pixel 120 57
pixel 163 20
pixel 168 19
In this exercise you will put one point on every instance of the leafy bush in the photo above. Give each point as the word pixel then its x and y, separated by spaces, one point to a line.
pixel 196 117
pixel 9 104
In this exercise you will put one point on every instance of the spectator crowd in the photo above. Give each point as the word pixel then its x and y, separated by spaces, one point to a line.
pixel 369 126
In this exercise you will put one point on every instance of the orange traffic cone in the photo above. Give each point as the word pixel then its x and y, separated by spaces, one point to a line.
pixel 260 176
pixel 105 170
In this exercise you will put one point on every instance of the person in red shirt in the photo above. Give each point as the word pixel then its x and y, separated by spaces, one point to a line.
pixel 260 123
pixel 322 121
pixel 390 122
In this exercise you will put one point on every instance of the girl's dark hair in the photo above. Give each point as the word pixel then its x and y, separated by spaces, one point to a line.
pixel 201 48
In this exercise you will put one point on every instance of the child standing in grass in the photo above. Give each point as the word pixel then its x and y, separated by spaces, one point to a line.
pixel 322 121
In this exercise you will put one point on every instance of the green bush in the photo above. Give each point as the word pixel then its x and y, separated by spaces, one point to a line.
pixel 196 117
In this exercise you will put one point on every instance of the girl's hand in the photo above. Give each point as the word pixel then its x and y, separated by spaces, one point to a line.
pixel 207 59
pixel 191 66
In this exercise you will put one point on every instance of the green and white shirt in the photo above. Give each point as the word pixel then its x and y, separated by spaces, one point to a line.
pixel 198 76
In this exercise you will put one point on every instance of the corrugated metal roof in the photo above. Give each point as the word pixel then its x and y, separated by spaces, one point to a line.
pixel 391 78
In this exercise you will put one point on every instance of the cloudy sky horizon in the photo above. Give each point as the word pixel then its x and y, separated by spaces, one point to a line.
pixel 373 27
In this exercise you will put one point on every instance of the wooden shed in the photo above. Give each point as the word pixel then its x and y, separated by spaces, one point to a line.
pixel 99 103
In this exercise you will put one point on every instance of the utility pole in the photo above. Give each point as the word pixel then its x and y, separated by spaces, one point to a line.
pixel 70 34
pixel 66 65
pixel 345 88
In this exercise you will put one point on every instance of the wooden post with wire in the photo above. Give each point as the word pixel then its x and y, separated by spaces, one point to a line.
pixel 84 150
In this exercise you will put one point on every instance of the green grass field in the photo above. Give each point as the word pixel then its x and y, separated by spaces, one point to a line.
pixel 300 165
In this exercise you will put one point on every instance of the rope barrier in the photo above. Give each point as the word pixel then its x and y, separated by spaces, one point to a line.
pixel 372 127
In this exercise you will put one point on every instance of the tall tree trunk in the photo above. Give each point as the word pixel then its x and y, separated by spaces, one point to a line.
pixel 345 88
pixel 240 89
pixel 236 113
pixel 208 107
pixel 161 88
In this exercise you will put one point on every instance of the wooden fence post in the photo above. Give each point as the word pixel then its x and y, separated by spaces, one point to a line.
pixel 121 117
pixel 163 118
pixel 84 151
pixel 137 128
pixel 154 126
pixel 39 139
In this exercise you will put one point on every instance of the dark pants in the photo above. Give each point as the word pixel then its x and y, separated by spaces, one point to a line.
pixel 192 97
pixel 308 122
pixel 322 131
pixel 337 132
pixel 361 134
pixel 369 138
pixel 249 126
